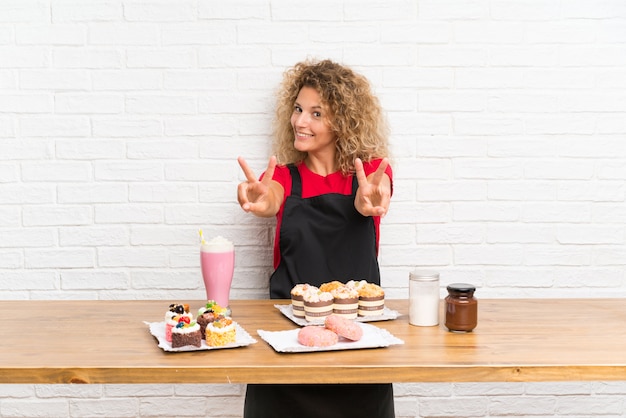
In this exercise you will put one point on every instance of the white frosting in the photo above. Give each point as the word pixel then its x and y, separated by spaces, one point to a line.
pixel 173 319
pixel 218 244
pixel 227 328
pixel 300 289
pixel 187 330
pixel 356 284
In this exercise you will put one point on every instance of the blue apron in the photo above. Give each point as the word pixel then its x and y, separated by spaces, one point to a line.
pixel 322 238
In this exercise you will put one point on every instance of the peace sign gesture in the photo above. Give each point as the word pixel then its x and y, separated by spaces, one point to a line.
pixel 374 192
pixel 261 198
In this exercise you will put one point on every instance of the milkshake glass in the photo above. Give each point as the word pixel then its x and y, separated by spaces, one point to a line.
pixel 217 260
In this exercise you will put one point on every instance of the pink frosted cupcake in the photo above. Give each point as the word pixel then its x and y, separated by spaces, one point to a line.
pixel 317 305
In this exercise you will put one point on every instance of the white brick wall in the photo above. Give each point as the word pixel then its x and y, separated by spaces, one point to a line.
pixel 120 123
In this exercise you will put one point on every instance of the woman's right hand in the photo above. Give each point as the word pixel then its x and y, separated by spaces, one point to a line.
pixel 258 197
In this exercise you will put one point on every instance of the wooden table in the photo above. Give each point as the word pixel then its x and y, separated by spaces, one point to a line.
pixel 516 340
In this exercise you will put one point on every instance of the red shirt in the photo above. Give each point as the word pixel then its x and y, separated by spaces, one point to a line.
pixel 314 185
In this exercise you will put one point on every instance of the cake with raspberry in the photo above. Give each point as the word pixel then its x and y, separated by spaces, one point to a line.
pixel 186 333
pixel 172 315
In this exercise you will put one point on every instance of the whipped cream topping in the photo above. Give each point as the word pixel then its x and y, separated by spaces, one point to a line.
pixel 300 289
pixel 221 327
pixel 187 329
pixel 218 244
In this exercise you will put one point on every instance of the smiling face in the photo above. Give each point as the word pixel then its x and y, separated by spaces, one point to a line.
pixel 310 125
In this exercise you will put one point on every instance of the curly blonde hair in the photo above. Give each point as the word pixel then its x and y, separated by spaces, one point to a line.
pixel 354 113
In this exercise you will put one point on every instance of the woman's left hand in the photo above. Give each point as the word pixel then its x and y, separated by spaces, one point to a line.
pixel 374 192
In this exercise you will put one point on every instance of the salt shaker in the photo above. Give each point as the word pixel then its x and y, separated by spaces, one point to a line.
pixel 424 298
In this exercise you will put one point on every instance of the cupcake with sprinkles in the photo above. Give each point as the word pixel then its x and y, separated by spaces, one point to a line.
pixel 371 300
pixel 345 302
pixel 297 299
pixel 317 305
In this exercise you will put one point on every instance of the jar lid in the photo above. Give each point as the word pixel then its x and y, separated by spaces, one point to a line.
pixel 461 287
pixel 424 275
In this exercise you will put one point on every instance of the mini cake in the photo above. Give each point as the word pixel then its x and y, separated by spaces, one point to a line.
pixel 186 333
pixel 172 316
pixel 317 305
pixel 207 314
pixel 371 300
pixel 345 302
pixel 297 299
pixel 221 332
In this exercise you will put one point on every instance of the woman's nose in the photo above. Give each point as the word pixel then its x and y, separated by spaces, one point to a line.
pixel 302 119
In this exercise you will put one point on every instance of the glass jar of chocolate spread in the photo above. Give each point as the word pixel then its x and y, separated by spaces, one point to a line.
pixel 461 307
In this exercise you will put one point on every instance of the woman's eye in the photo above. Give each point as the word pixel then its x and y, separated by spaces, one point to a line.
pixel 297 109
pixel 317 114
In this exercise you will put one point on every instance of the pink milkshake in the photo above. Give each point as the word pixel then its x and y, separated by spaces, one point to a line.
pixel 217 260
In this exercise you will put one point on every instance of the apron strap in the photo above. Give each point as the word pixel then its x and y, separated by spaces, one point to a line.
pixel 355 184
pixel 296 181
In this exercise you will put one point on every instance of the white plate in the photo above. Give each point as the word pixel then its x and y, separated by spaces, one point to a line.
pixel 287 341
pixel 242 338
pixel 387 315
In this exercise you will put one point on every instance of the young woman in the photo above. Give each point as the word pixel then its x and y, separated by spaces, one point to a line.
pixel 328 185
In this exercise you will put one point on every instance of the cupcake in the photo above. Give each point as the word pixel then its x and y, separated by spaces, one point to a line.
pixel 297 299
pixel 345 302
pixel 186 333
pixel 317 305
pixel 371 300
pixel 172 315
pixel 221 332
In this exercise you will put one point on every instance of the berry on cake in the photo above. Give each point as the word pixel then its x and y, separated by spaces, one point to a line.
pixel 186 332
pixel 172 315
